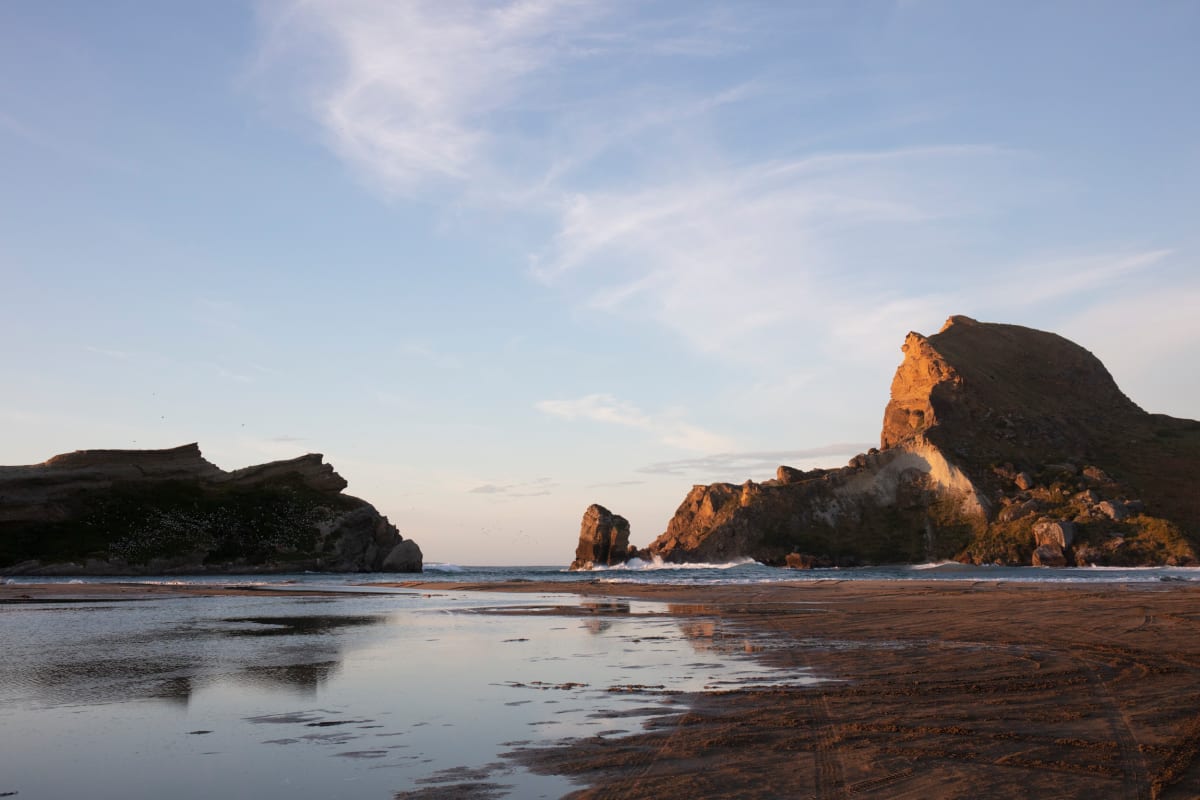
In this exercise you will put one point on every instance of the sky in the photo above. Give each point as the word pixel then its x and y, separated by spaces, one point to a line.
pixel 501 260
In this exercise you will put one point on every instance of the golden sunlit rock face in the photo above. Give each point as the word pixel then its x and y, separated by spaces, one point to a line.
pixel 992 432
pixel 910 412
pixel 603 539
pixel 1003 388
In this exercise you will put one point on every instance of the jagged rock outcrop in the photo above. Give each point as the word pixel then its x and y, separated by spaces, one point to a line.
pixel 171 511
pixel 603 539
pixel 835 516
pixel 993 435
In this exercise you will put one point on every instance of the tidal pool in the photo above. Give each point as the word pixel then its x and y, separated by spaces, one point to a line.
pixel 405 695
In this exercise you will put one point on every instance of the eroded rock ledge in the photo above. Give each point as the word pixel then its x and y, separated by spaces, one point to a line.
pixel 131 512
pixel 1000 444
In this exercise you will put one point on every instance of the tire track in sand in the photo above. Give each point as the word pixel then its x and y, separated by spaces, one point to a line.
pixel 1135 775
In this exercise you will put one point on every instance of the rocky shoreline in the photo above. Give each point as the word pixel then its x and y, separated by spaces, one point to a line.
pixel 1000 445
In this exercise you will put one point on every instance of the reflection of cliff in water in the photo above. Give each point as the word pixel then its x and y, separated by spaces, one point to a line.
pixel 294 626
pixel 704 631
pixel 105 680
pixel 170 663
pixel 602 610
pixel 300 678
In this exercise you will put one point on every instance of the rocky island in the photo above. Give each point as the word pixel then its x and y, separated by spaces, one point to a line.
pixel 603 539
pixel 1000 445
pixel 140 512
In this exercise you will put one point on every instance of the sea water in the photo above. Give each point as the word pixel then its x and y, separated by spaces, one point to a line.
pixel 741 571
pixel 402 694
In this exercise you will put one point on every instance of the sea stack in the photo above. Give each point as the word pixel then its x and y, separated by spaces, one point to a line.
pixel 1000 445
pixel 603 539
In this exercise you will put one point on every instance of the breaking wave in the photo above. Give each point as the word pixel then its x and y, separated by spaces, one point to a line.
pixel 656 563
pixel 948 566
pixel 443 568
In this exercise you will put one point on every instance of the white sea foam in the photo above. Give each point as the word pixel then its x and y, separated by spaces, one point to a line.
pixel 949 566
pixel 443 568
pixel 205 580
pixel 656 563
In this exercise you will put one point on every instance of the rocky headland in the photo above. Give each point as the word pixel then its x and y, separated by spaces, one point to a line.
pixel 138 512
pixel 1000 445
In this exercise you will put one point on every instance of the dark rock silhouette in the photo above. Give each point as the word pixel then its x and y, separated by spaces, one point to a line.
pixel 171 511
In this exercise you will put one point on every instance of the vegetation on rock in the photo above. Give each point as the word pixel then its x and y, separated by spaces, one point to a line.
pixel 992 433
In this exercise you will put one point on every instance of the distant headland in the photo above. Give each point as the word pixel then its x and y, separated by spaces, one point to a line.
pixel 1001 445
pixel 153 512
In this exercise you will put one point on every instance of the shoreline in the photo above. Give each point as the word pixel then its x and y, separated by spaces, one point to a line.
pixel 938 689
pixel 935 689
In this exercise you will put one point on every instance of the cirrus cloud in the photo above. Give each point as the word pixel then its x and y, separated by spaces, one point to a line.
pixel 667 429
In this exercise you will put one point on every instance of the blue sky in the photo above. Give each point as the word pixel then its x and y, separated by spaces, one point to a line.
pixel 500 260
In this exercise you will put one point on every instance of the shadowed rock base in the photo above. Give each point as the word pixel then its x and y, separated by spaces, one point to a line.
pixel 153 512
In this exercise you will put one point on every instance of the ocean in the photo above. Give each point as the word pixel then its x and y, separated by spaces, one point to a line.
pixel 734 572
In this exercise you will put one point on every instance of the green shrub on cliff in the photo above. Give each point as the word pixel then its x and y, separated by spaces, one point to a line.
pixel 1135 541
pixel 1007 543
pixel 950 530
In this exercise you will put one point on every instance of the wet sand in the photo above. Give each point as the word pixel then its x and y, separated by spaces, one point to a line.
pixel 940 689
pixel 944 690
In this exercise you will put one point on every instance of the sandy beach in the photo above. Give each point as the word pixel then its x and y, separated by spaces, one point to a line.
pixel 947 689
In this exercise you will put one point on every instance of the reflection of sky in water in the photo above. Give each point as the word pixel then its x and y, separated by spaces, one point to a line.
pixel 323 698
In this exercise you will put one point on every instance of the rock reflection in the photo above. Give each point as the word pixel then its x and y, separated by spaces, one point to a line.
pixel 303 679
pixel 170 662
pixel 602 610
pixel 705 633
pixel 103 680
pixel 299 626
pixel 411 698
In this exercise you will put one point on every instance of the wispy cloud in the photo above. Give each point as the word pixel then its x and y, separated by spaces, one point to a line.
pixel 749 464
pixel 412 92
pixel 535 488
pixel 666 428
pixel 582 122
pixel 484 100
pixel 760 252
pixel 1154 362
pixel 1045 279
pixel 597 408
pixel 633 119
